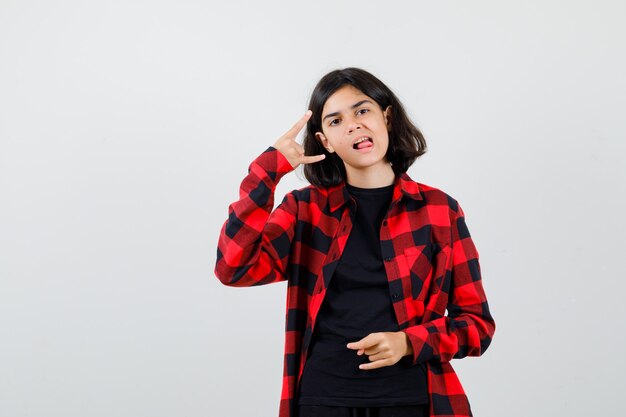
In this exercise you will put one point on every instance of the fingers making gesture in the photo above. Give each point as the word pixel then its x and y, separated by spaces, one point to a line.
pixel 292 150
pixel 382 349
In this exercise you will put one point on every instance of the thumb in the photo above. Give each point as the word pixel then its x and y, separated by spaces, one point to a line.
pixel 312 159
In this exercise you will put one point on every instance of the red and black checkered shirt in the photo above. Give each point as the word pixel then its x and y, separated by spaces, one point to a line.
pixel 429 257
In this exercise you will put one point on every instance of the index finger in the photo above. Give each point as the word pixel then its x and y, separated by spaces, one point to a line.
pixel 297 127
pixel 367 341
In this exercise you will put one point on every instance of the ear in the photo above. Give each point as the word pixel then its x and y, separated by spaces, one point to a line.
pixel 324 141
pixel 388 117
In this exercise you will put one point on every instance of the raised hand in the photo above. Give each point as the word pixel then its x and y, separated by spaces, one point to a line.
pixel 382 349
pixel 292 150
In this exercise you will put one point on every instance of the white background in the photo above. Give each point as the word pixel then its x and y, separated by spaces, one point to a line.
pixel 126 127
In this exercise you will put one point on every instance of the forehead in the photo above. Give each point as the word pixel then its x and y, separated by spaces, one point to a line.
pixel 342 99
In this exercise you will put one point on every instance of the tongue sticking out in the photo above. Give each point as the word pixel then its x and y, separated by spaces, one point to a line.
pixel 365 144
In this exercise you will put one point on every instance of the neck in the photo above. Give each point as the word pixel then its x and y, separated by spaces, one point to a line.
pixel 371 178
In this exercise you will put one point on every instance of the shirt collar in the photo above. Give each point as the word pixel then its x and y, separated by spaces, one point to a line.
pixel 338 195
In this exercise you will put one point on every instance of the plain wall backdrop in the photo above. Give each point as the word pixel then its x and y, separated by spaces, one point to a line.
pixel 127 126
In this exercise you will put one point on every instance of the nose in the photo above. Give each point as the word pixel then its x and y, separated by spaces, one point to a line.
pixel 353 125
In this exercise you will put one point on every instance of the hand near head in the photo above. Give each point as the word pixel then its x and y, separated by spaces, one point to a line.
pixel 382 349
pixel 292 150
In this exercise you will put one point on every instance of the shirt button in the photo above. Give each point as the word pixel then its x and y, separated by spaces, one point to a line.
pixel 387 259
pixel 395 296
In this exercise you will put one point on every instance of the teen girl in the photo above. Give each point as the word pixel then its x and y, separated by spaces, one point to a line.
pixel 383 281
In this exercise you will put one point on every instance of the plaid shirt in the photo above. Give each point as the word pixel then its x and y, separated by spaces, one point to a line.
pixel 429 257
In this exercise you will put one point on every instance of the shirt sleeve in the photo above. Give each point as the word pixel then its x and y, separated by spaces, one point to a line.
pixel 468 328
pixel 254 242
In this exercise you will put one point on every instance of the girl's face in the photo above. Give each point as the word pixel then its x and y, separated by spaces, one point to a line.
pixel 355 126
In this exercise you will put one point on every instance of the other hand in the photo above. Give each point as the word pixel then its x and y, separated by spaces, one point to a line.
pixel 383 348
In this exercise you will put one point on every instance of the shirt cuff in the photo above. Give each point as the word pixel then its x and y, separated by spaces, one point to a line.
pixel 271 164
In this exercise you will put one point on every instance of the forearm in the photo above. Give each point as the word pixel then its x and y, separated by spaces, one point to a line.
pixel 247 253
pixel 468 334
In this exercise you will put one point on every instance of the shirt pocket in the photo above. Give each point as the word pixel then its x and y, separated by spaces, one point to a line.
pixel 427 268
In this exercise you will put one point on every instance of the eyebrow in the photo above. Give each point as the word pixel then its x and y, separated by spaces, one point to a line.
pixel 355 105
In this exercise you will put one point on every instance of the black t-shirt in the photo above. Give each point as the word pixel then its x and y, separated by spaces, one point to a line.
pixel 358 303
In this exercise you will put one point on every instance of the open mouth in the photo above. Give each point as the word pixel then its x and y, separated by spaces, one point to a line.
pixel 363 143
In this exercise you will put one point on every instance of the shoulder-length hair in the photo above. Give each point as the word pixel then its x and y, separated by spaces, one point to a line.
pixel 406 142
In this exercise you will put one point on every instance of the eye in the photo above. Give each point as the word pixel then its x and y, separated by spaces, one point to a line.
pixel 332 122
pixel 362 111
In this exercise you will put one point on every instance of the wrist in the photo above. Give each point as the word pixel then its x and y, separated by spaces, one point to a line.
pixel 408 346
